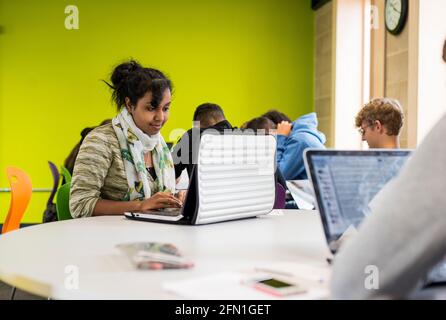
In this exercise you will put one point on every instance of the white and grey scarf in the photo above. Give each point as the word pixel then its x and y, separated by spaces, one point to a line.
pixel 134 144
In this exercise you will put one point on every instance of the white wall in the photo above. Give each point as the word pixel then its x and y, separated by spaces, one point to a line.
pixel 431 67
pixel 352 65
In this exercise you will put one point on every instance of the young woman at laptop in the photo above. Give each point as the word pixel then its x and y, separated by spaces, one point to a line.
pixel 126 165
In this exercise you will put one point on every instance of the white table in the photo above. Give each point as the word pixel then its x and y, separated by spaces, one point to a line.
pixel 35 258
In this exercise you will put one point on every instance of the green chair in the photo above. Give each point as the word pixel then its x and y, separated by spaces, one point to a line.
pixel 66 174
pixel 63 202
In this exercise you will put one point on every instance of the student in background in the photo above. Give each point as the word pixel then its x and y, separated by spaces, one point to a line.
pixel 404 236
pixel 292 139
pixel 277 117
pixel 126 165
pixel 209 115
pixel 380 122
pixel 185 152
pixel 260 123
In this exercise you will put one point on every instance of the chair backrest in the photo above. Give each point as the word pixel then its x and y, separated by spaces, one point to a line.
pixel 280 197
pixel 66 174
pixel 56 179
pixel 21 190
pixel 63 202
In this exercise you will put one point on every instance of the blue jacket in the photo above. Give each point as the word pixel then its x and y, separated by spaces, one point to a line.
pixel 303 135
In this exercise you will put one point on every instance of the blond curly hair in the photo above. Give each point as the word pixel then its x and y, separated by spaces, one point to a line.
pixel 387 111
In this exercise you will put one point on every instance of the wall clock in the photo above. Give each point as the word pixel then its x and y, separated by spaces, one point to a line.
pixel 396 15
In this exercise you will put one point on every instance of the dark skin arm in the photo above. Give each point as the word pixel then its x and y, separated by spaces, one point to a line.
pixel 158 201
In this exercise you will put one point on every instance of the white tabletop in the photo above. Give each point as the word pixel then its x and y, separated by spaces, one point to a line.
pixel 35 258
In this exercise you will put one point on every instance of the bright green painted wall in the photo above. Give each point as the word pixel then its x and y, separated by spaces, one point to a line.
pixel 246 55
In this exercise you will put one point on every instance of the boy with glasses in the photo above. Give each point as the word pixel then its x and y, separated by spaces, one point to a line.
pixel 379 122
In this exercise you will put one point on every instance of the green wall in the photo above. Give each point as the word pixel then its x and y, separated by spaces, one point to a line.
pixel 246 55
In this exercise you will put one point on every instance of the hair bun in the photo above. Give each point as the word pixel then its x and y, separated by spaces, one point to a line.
pixel 123 71
pixel 131 82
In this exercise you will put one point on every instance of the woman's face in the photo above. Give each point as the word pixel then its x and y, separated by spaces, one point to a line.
pixel 148 118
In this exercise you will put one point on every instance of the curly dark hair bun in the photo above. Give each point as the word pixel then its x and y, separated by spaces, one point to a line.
pixel 131 80
pixel 123 72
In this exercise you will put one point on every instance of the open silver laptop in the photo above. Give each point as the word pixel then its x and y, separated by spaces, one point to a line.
pixel 233 179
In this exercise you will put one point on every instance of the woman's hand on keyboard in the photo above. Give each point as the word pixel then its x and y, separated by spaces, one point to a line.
pixel 181 195
pixel 160 200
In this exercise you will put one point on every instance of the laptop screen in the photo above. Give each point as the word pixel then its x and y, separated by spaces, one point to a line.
pixel 346 181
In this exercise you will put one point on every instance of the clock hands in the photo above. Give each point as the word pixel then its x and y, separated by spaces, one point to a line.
pixel 394 8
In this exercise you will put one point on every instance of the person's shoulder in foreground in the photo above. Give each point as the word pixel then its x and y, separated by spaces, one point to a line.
pixel 404 236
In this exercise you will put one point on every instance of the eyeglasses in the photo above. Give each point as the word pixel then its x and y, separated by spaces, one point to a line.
pixel 361 130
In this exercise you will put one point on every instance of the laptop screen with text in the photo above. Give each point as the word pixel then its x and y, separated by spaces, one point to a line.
pixel 345 182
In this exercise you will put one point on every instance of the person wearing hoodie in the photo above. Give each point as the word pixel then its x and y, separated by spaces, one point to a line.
pixel 292 139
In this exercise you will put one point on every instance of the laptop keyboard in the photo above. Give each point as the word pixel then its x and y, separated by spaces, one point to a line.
pixel 171 212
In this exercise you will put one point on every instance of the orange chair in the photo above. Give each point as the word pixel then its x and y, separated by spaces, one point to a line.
pixel 21 190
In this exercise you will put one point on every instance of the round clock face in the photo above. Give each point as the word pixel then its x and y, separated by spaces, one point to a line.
pixel 396 14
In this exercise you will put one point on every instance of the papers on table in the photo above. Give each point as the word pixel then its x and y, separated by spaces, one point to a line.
pixel 232 285
pixel 302 192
